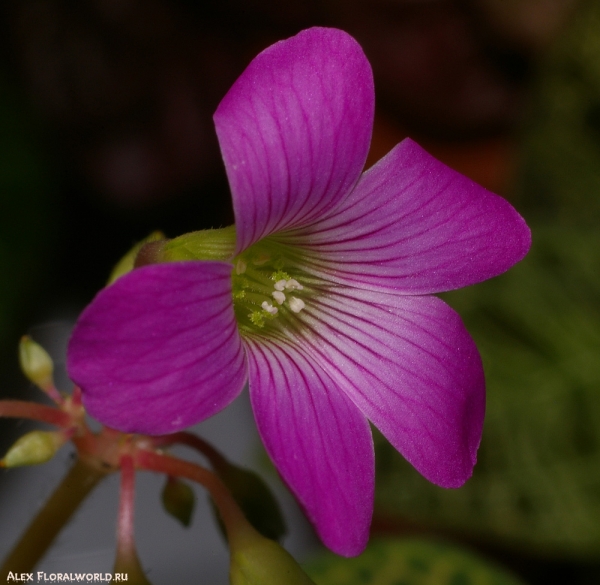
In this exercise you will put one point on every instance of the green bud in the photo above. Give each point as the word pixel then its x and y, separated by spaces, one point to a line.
pixel 260 561
pixel 126 264
pixel 33 448
pixel 178 500
pixel 35 362
pixel 216 244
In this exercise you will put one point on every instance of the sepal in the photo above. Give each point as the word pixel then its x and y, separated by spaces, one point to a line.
pixel 217 244
pixel 127 263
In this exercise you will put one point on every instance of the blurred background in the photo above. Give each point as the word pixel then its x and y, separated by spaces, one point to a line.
pixel 106 134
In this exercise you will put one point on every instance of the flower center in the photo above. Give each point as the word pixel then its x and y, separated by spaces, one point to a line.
pixel 268 287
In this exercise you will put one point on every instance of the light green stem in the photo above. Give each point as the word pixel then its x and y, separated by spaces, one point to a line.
pixel 31 547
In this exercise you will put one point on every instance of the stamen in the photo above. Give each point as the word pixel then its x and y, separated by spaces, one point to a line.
pixel 296 304
pixel 293 284
pixel 261 287
pixel 269 308
pixel 279 297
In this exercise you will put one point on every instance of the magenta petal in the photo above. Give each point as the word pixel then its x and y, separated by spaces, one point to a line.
pixel 411 367
pixel 415 226
pixel 319 441
pixel 159 349
pixel 295 130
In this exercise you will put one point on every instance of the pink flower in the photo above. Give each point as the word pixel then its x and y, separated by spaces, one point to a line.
pixel 324 305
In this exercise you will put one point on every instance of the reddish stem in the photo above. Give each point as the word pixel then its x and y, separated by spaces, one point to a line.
pixel 33 411
pixel 51 391
pixel 125 540
pixel 127 560
pixel 189 440
pixel 76 397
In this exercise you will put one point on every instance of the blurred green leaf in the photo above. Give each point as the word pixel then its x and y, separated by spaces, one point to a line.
pixel 178 500
pixel 537 483
pixel 255 499
pixel 408 562
pixel 560 175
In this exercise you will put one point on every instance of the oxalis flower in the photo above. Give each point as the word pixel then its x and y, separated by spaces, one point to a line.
pixel 320 298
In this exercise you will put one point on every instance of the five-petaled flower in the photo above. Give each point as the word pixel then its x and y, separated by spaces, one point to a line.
pixel 323 302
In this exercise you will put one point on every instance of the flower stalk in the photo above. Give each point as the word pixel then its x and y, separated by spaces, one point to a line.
pixel 217 461
pixel 54 515
pixel 127 560
pixel 33 411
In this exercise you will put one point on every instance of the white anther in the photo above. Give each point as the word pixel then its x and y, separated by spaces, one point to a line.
pixel 269 308
pixel 296 304
pixel 240 266
pixel 280 284
pixel 279 297
pixel 293 284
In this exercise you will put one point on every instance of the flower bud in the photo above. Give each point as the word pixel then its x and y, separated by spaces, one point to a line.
pixel 35 362
pixel 261 561
pixel 33 448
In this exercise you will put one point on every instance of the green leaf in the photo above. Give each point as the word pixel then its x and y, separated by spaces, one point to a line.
pixel 408 562
pixel 560 174
pixel 179 500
